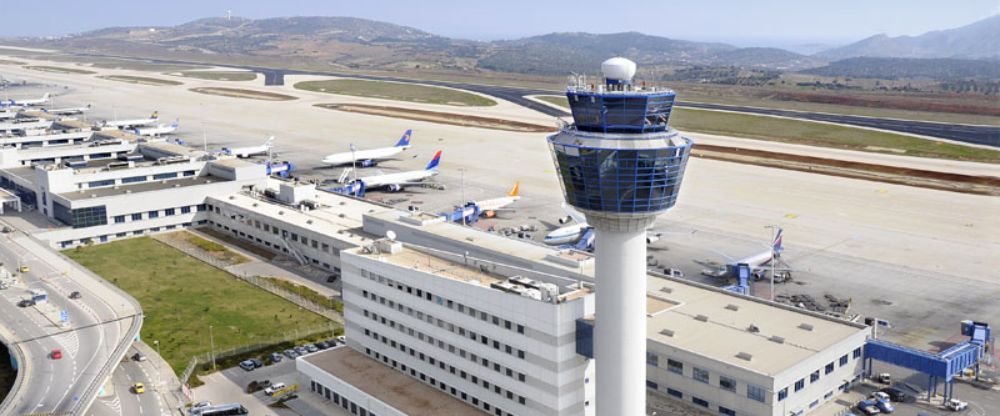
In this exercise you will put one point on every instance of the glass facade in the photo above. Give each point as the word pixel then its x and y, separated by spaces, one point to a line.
pixel 621 113
pixel 80 217
pixel 625 180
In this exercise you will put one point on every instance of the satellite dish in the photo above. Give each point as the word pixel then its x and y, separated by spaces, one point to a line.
pixel 390 235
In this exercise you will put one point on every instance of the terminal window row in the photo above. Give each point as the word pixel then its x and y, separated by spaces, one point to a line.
pixel 134 179
pixel 677 394
pixel 815 376
pixel 340 401
pixel 450 327
pixel 450 348
pixel 287 235
pixel 704 376
pixel 457 306
pixel 435 383
pixel 276 246
pixel 167 212
pixel 135 233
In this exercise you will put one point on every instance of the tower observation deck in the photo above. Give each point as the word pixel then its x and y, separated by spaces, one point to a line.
pixel 620 164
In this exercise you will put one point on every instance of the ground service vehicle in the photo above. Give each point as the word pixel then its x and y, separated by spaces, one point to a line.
pixel 231 409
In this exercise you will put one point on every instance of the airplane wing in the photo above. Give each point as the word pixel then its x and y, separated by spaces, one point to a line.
pixel 574 214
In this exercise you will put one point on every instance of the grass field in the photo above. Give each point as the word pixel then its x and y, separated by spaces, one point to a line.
pixel 10 62
pixel 139 65
pixel 816 134
pixel 396 91
pixel 242 93
pixel 182 297
pixel 312 295
pixel 141 80
pixel 59 69
pixel 221 75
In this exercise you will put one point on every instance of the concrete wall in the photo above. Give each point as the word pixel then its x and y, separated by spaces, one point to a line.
pixel 328 382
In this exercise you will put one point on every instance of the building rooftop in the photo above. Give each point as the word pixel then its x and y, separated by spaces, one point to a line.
pixel 140 187
pixel 717 324
pixel 387 385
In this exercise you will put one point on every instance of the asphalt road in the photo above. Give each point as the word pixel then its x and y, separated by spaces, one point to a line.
pixel 97 328
pixel 973 134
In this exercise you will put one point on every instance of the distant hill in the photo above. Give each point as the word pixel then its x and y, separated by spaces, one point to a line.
pixel 361 43
pixel 974 41
pixel 941 69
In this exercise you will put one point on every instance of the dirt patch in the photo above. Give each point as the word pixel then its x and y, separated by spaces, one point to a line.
pixel 443 118
pixel 971 184
pixel 244 93
pixel 9 62
pixel 59 70
pixel 141 80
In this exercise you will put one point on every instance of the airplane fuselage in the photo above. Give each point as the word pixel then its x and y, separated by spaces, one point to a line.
pixel 347 158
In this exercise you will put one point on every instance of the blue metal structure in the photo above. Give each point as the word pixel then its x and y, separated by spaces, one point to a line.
pixel 469 212
pixel 282 169
pixel 940 367
pixel 743 273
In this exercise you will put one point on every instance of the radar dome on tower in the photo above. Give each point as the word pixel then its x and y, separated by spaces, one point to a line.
pixel 618 70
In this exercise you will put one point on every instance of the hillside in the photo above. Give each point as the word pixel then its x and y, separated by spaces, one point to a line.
pixel 359 43
pixel 974 41
pixel 911 68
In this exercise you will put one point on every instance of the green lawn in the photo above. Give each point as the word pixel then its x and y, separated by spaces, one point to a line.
pixel 396 91
pixel 810 133
pixel 140 66
pixel 59 69
pixel 182 297
pixel 141 80
pixel 305 292
pixel 221 75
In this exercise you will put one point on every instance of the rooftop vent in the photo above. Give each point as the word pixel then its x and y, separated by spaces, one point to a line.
pixel 702 318
pixel 667 332
pixel 805 326
pixel 775 338
pixel 666 290
pixel 732 307
pixel 745 356
pixel 309 222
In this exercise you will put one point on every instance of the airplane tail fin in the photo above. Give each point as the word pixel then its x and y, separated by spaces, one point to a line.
pixel 45 97
pixel 433 165
pixel 515 189
pixel 155 115
pixel 405 140
pixel 776 245
pixel 269 142
pixel 177 123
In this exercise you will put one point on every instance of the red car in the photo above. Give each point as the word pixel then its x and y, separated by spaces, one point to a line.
pixel 56 354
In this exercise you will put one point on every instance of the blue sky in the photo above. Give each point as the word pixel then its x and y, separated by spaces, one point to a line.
pixel 744 23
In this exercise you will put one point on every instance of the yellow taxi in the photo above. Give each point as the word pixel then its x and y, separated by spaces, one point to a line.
pixel 24 268
pixel 138 388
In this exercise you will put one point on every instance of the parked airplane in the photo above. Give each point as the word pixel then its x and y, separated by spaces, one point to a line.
pixel 156 130
pixel 580 234
pixel 67 111
pixel 250 150
pixel 369 157
pixel 25 103
pixel 393 182
pixel 757 262
pixel 472 210
pixel 124 124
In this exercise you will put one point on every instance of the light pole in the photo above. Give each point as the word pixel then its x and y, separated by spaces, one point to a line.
pixel 774 256
pixel 354 167
pixel 462 212
pixel 211 340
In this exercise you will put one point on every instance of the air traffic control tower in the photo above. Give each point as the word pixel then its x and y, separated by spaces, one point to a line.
pixel 621 165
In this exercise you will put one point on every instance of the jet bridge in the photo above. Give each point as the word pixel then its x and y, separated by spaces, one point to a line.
pixel 940 367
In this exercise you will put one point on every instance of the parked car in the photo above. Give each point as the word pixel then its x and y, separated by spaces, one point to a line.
pixel 138 388
pixel 312 348
pixel 956 405
pixel 247 365
pixel 276 358
pixel 884 406
pixel 273 388
pixel 256 363
pixel 868 407
pixel 301 350
pixel 24 303
pixel 323 345
pixel 884 378
pixel 24 268
pixel 342 339
pixel 75 295
pixel 56 354
pixel 895 394
pixel 138 356
pixel 290 353
pixel 200 405
pixel 879 395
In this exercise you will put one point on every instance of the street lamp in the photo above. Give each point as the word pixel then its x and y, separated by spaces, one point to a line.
pixel 354 166
pixel 774 256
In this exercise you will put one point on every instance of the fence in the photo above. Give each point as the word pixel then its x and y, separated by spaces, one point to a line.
pixel 240 351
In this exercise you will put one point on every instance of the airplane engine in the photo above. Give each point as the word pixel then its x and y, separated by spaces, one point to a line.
pixel 394 188
pixel 652 238
pixel 368 163
pixel 565 219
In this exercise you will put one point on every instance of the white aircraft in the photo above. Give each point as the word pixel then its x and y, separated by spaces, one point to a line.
pixel 67 111
pixel 156 130
pixel 25 103
pixel 369 157
pixel 757 262
pixel 489 207
pixel 124 124
pixel 250 150
pixel 394 182
pixel 580 234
